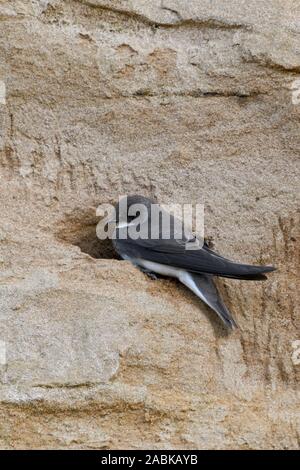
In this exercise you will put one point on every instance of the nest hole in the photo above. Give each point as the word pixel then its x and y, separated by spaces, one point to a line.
pixel 79 229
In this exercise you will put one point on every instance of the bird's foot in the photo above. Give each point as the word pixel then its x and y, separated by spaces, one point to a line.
pixel 149 273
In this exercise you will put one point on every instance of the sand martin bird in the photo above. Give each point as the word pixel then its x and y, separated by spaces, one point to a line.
pixel 170 256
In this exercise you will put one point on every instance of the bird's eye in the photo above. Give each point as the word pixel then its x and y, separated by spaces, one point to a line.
pixel 133 217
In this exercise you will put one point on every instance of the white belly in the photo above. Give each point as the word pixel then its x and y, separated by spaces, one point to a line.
pixel 162 269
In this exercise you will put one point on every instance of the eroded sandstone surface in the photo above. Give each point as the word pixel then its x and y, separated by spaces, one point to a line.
pixel 186 101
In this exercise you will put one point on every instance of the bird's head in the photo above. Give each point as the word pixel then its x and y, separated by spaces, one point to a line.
pixel 129 208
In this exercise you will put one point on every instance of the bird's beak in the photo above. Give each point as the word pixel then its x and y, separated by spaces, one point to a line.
pixel 111 221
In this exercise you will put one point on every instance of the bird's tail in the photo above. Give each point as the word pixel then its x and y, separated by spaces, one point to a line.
pixel 248 272
pixel 203 286
pixel 226 268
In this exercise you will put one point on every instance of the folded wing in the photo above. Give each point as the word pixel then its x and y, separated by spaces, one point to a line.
pixel 176 253
pixel 203 286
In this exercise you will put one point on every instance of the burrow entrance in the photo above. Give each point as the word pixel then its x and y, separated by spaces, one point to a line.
pixel 79 229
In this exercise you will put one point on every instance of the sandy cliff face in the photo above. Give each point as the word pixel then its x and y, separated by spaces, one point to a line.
pixel 181 100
